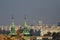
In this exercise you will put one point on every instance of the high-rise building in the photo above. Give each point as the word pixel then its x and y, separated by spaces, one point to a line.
pixel 31 32
pixel 40 22
pixel 37 33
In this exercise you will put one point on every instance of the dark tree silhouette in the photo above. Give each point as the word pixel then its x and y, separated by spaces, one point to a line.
pixel 49 33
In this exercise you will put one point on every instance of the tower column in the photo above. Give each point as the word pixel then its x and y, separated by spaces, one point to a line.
pixel 25 30
pixel 12 32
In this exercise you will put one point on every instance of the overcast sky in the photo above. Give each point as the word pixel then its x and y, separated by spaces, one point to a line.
pixel 46 10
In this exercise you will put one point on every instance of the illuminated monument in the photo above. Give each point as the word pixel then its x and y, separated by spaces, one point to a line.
pixel 25 30
pixel 12 32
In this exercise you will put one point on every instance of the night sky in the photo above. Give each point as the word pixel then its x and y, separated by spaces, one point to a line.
pixel 46 10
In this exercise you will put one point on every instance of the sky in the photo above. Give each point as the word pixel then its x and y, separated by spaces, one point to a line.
pixel 48 11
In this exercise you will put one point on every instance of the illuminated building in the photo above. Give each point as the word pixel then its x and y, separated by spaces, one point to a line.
pixel 25 30
pixel 12 32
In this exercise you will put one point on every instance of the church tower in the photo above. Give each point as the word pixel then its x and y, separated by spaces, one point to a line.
pixel 25 30
pixel 12 32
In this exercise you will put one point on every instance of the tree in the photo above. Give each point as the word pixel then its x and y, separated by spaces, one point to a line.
pixel 54 36
pixel 49 33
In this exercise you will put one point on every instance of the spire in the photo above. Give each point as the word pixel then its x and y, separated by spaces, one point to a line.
pixel 25 31
pixel 12 17
pixel 12 32
pixel 25 23
pixel 25 17
pixel 12 22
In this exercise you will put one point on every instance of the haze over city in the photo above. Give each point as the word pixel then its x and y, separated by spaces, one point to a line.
pixel 46 10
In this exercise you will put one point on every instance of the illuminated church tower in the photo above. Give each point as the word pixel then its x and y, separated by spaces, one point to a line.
pixel 25 30
pixel 12 32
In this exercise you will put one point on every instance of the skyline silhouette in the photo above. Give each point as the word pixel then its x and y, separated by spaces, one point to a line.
pixel 46 10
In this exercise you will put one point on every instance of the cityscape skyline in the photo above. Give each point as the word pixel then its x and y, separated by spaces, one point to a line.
pixel 35 10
